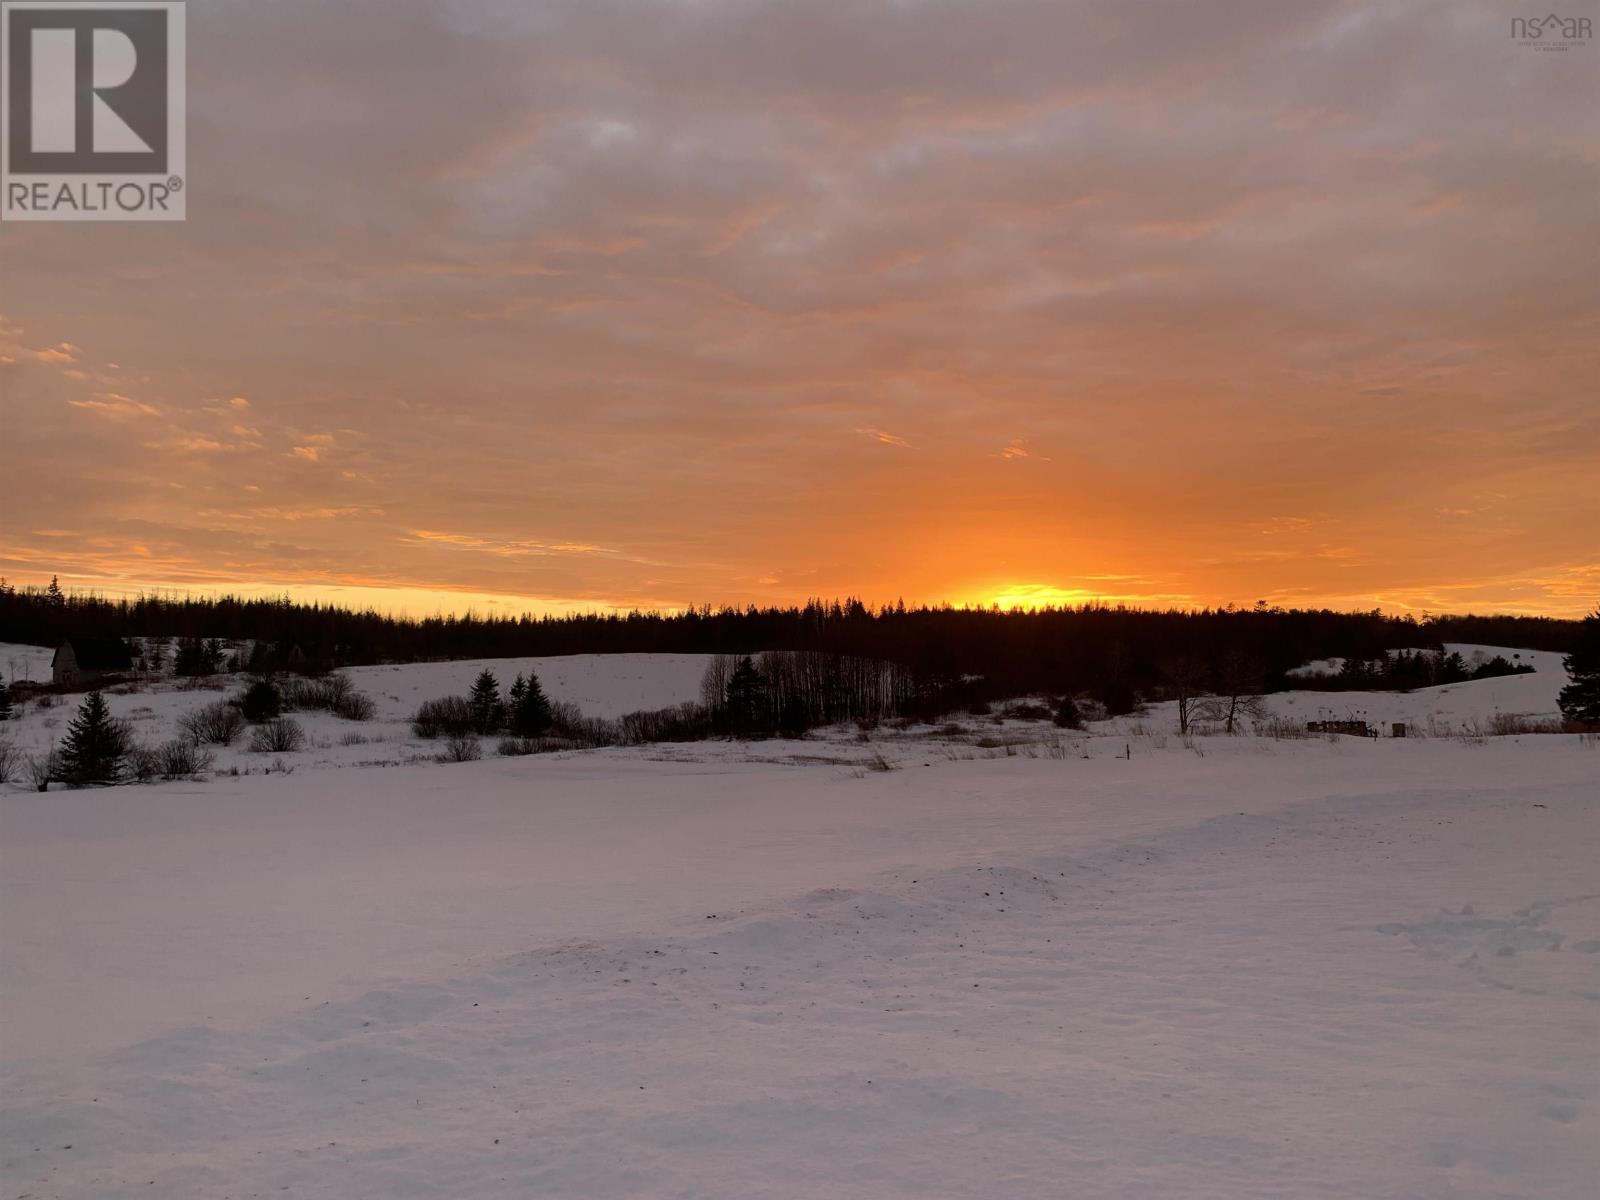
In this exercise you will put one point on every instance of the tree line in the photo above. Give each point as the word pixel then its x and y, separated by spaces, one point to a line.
pixel 1113 652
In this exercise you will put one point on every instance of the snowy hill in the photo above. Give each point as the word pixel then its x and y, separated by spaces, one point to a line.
pixel 1448 706
pixel 601 685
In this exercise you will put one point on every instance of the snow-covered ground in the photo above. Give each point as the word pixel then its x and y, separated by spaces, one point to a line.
pixel 23 662
pixel 610 685
pixel 1449 709
pixel 1016 965
pixel 601 685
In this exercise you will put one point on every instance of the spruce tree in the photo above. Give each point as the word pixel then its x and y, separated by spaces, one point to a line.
pixel 747 697
pixel 191 658
pixel 261 702
pixel 212 651
pixel 488 713
pixel 1067 714
pixel 95 746
pixel 1580 699
pixel 530 711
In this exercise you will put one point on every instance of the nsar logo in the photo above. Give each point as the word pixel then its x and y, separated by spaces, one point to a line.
pixel 1552 32
pixel 92 111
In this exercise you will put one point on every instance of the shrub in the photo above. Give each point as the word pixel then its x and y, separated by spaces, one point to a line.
pixel 1028 710
pixel 43 769
pixel 143 763
pixel 332 693
pixel 214 725
pixel 461 747
pixel 1117 698
pixel 587 733
pixel 1067 714
pixel 260 702
pixel 177 759
pixel 794 719
pixel 353 706
pixel 282 736
pixel 515 747
pixel 10 761
pixel 683 723
pixel 299 692
pixel 182 759
pixel 447 716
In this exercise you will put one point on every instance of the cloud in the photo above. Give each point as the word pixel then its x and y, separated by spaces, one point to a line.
pixel 878 435
pixel 115 406
pixel 62 352
pixel 505 548
pixel 640 264
pixel 314 447
pixel 1016 449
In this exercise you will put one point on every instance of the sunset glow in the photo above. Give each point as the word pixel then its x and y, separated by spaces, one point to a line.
pixel 748 304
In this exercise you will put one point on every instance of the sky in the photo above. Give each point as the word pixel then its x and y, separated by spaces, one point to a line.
pixel 578 304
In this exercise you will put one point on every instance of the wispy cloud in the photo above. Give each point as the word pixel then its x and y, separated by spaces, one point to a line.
pixel 506 547
pixel 879 435
pixel 116 406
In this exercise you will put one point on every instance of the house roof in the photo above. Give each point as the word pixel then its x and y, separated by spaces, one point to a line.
pixel 100 654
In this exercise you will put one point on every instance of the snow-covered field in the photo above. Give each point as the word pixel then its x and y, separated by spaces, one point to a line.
pixel 1449 707
pixel 601 685
pixel 1107 965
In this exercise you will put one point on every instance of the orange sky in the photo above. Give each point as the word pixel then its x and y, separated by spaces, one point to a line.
pixel 592 304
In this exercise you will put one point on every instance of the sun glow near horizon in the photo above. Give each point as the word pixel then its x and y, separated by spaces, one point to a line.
pixel 421 601
pixel 854 323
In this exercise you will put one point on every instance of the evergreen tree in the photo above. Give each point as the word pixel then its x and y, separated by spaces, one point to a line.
pixel 191 658
pixel 54 595
pixel 1118 697
pixel 793 718
pixel 261 701
pixel 747 698
pixel 1067 714
pixel 530 709
pixel 5 701
pixel 515 693
pixel 213 656
pixel 488 713
pixel 95 746
pixel 1580 699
